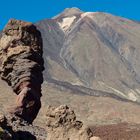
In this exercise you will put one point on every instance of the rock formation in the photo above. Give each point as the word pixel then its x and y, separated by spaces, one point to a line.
pixel 21 66
pixel 62 125
pixel 14 128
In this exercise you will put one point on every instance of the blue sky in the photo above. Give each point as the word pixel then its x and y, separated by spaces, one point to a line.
pixel 35 10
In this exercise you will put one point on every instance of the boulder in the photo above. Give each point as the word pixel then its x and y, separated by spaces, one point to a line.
pixel 61 124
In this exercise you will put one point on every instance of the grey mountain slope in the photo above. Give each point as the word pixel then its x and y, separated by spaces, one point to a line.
pixel 53 39
pixel 97 51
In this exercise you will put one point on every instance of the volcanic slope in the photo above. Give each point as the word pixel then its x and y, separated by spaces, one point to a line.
pixel 93 53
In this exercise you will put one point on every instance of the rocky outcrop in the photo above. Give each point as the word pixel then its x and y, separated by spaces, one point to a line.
pixel 14 128
pixel 21 66
pixel 62 125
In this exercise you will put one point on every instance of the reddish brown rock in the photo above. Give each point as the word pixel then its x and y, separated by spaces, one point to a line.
pixel 21 66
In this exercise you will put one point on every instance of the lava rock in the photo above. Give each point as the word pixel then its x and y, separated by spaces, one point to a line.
pixel 21 66
pixel 61 124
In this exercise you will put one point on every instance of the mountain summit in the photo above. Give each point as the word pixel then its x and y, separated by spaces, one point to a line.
pixel 70 12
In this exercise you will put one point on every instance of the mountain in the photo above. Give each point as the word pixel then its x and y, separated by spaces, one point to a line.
pixel 92 53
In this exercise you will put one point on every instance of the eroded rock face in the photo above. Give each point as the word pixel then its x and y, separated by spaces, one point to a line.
pixel 21 66
pixel 61 124
pixel 14 128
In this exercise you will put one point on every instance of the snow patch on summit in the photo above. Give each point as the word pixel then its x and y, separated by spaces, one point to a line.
pixel 88 14
pixel 66 23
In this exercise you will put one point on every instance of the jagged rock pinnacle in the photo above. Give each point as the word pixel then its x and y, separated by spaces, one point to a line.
pixel 21 66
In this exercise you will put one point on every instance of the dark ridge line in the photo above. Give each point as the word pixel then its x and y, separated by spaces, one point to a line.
pixel 83 91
